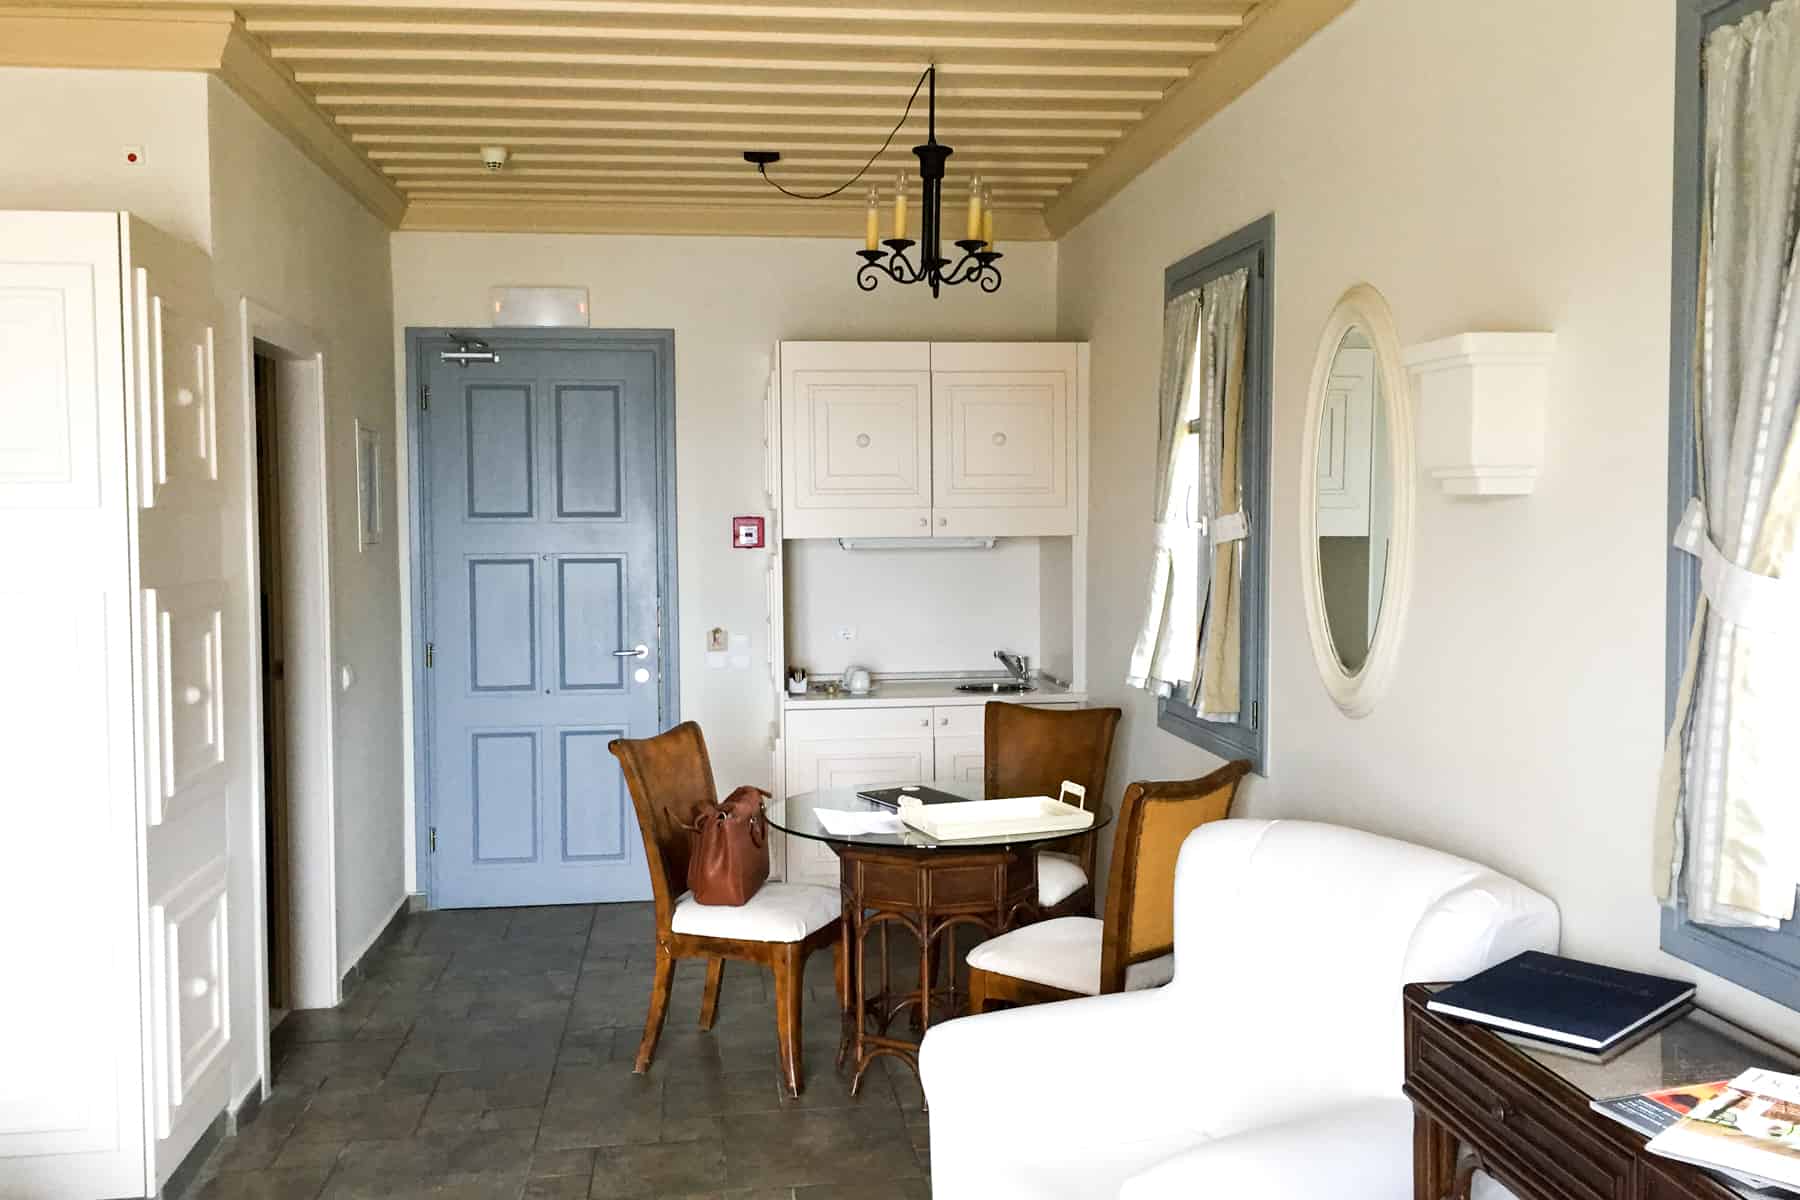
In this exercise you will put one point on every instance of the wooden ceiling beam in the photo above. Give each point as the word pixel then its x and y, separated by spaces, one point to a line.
pixel 752 133
pixel 644 217
pixel 400 160
pixel 757 84
pixel 498 106
pixel 874 59
pixel 1168 14
pixel 729 146
pixel 891 37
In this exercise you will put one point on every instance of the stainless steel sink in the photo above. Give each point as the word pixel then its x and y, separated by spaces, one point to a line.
pixel 997 689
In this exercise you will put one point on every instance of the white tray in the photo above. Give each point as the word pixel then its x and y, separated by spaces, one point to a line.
pixel 1011 816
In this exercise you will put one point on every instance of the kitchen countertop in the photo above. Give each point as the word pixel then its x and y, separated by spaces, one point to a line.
pixel 903 693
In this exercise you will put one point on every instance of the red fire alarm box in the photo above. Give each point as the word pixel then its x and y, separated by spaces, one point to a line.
pixel 746 533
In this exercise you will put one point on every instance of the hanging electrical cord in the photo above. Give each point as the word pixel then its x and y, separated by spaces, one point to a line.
pixel 762 158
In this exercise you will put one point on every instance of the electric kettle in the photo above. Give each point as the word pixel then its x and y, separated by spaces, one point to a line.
pixel 856 681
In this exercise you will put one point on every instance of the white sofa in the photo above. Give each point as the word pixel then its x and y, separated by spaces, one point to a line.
pixel 1271 1066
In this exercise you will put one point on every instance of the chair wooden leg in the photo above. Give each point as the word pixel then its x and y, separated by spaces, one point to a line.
pixel 840 970
pixel 978 991
pixel 659 1008
pixel 790 983
pixel 709 999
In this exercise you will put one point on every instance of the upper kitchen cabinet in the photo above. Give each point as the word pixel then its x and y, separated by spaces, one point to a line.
pixel 1003 438
pixel 916 439
pixel 856 439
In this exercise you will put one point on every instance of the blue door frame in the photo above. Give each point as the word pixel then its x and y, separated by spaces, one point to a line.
pixel 422 342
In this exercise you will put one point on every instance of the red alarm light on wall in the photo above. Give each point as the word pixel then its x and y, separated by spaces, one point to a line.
pixel 746 533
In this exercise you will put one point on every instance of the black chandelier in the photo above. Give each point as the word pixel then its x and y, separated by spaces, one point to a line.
pixel 976 264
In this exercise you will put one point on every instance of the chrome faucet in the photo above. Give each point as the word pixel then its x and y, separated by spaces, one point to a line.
pixel 1017 665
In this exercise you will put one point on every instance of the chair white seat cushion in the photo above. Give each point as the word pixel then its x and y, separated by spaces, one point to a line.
pixel 1063 953
pixel 779 912
pixel 1059 877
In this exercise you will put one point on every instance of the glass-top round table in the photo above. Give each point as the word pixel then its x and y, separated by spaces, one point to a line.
pixel 895 878
pixel 799 815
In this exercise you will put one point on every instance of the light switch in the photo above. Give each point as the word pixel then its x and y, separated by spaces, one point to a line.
pixel 716 660
pixel 740 643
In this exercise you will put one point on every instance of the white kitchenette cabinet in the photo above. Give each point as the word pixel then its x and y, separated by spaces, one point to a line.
pixel 930 439
pixel 858 745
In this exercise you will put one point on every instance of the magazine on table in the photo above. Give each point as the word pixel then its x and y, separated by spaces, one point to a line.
pixel 1649 1113
pixel 1749 1128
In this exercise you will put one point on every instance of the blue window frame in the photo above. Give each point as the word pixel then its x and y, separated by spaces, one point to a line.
pixel 1765 961
pixel 1248 737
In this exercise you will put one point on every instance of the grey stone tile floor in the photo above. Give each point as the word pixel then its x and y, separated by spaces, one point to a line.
pixel 487 1055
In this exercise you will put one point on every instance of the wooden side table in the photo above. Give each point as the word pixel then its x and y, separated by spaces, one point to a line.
pixel 1522 1116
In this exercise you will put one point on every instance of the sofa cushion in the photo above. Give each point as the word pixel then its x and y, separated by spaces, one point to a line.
pixel 779 912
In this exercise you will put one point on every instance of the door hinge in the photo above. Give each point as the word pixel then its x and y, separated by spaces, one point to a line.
pixel 1255 713
pixel 425 398
pixel 430 655
pixel 431 840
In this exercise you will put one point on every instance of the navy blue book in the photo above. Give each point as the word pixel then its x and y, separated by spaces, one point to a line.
pixel 1562 1000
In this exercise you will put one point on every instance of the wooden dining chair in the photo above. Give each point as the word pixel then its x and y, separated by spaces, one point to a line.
pixel 1134 946
pixel 1030 752
pixel 670 778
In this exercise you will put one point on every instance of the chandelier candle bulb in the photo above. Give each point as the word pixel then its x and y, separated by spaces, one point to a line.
pixel 900 206
pixel 872 232
pixel 973 229
pixel 987 215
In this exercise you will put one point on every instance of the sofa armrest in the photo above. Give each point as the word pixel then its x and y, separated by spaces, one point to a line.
pixel 1054 1100
pixel 1362 1151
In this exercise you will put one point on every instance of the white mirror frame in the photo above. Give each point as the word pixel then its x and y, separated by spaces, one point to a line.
pixel 1356 694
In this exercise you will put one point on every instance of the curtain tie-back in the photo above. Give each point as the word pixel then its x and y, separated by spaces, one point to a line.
pixel 1739 595
pixel 1230 527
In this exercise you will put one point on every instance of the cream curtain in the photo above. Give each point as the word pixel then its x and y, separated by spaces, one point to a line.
pixel 1728 826
pixel 1189 643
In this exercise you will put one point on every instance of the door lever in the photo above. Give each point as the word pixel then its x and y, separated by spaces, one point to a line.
pixel 642 651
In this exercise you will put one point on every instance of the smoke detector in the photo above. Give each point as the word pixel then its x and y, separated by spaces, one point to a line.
pixel 493 157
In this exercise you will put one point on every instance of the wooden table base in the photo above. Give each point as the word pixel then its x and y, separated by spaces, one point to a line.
pixel 931 894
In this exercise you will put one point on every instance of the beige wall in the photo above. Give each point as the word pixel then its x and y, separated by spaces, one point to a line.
pixel 63 142
pixel 728 301
pixel 289 238
pixel 1483 175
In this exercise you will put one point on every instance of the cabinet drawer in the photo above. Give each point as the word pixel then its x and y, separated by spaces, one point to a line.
pixel 834 724
pixel 1520 1136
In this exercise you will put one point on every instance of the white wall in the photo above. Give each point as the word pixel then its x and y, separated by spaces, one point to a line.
pixel 912 610
pixel 728 301
pixel 64 139
pixel 288 237
pixel 1484 175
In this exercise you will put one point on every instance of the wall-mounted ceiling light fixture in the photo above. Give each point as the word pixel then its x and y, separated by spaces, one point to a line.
pixel 494 157
pixel 977 245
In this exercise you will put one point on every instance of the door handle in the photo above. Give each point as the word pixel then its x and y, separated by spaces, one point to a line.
pixel 642 651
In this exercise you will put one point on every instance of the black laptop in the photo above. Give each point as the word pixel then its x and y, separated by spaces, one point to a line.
pixel 890 798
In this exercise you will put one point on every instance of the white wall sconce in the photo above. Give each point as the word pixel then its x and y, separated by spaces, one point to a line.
pixel 1482 401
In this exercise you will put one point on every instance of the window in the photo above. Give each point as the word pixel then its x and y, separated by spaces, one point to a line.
pixel 1250 250
pixel 1766 961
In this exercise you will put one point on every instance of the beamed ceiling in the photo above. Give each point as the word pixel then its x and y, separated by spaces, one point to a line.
pixel 633 114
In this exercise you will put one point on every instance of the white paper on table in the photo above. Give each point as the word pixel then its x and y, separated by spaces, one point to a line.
pixel 844 823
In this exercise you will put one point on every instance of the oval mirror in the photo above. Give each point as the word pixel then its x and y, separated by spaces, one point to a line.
pixel 1357 510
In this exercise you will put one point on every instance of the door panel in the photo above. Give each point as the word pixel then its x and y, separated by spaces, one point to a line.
pixel 857 422
pixel 542 499
pixel 194 617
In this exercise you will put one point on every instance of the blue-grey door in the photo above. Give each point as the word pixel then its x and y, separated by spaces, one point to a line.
pixel 544 505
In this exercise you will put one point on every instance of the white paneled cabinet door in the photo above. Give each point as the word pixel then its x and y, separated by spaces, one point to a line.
pixel 959 743
pixel 71 1052
pixel 848 749
pixel 856 439
pixel 190 522
pixel 1003 421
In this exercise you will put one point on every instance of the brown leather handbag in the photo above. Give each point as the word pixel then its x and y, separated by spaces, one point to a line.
pixel 730 856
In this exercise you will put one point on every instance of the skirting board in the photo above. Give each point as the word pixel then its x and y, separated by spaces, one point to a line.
pixel 356 971
pixel 183 1177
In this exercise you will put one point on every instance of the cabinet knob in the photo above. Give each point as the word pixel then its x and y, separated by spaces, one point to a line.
pixel 943 720
pixel 862 441
pixel 925 722
pixel 924 522
pixel 999 439
pixel 943 521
